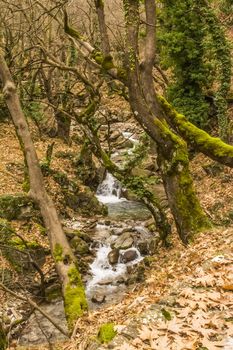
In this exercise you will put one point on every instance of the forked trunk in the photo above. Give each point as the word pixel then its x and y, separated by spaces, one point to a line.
pixel 172 150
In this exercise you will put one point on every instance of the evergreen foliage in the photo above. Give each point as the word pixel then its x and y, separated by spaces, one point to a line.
pixel 193 46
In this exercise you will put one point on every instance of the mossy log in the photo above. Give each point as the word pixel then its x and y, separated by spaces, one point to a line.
pixel 213 147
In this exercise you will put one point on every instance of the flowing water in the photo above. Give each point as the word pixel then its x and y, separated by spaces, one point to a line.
pixel 110 190
pixel 110 193
pixel 105 278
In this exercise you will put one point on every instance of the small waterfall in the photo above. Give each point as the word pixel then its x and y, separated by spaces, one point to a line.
pixel 109 191
pixel 106 275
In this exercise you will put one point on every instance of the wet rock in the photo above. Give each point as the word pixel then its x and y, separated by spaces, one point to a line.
pixel 98 298
pixel 90 225
pixel 121 280
pixel 107 222
pixel 84 203
pixel 129 255
pixel 113 256
pixel 105 281
pixel 125 241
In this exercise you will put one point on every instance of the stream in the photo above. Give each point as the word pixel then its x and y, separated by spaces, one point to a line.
pixel 119 243
pixel 109 280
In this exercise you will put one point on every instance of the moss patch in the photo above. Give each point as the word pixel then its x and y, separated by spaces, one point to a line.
pixel 74 297
pixel 58 252
pixel 16 206
pixel 175 167
pixel 207 144
pixel 106 333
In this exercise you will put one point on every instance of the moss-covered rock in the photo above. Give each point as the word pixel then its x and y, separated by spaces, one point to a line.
pixel 106 332
pixel 79 246
pixel 18 206
pixel 71 233
pixel 17 251
pixel 84 202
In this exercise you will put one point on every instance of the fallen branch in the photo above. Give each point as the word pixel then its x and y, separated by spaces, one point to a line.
pixel 35 306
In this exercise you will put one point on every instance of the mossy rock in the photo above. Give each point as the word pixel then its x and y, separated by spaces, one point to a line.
pixel 106 333
pixel 84 203
pixel 6 231
pixel 61 178
pixel 79 246
pixel 18 206
pixel 71 233
pixel 16 252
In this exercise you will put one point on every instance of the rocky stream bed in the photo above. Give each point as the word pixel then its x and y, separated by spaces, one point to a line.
pixel 112 252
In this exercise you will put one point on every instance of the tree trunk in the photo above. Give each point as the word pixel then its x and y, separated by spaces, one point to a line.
pixel 63 126
pixel 173 156
pixel 99 5
pixel 65 261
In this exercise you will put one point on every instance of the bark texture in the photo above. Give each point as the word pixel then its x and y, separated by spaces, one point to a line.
pixel 172 150
pixel 66 264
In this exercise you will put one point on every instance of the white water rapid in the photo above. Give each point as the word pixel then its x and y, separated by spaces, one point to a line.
pixel 109 191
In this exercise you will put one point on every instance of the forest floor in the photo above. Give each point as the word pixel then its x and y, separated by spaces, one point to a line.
pixel 186 300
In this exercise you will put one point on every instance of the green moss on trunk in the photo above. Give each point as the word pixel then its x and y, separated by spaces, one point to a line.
pixel 58 252
pixel 74 297
pixel 184 204
pixel 212 146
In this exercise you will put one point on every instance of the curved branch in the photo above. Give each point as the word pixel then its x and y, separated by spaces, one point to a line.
pixel 213 147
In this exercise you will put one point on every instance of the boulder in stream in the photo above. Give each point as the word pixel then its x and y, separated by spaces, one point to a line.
pixel 125 241
pixel 129 255
pixel 98 298
pixel 113 256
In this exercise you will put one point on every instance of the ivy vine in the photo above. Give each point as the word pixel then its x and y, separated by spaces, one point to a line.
pixel 193 46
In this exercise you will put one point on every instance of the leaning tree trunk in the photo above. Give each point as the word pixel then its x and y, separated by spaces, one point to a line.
pixel 65 261
pixel 172 150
